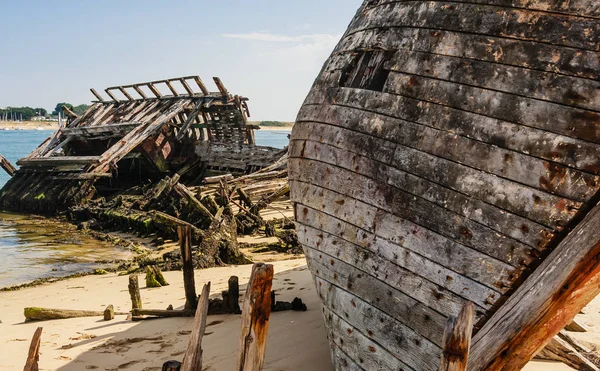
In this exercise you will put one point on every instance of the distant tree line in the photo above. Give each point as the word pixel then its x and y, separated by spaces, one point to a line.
pixel 79 110
pixel 21 113
pixel 27 113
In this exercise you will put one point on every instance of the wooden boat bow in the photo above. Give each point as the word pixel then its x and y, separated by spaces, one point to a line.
pixel 448 152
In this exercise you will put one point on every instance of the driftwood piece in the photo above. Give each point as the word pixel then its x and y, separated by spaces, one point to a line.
pixel 44 314
pixel 561 350
pixel 575 326
pixel 7 166
pixel 134 292
pixel 456 341
pixel 189 283
pixel 255 318
pixel 34 351
pixel 109 313
pixel 192 360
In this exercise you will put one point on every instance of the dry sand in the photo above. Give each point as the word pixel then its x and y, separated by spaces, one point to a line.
pixel 297 340
pixel 28 125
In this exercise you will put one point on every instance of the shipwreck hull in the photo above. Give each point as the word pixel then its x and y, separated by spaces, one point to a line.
pixel 445 154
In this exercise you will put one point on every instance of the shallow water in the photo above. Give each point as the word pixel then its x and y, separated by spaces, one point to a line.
pixel 33 247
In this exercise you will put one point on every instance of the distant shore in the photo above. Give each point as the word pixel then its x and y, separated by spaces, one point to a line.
pixel 28 125
pixel 52 125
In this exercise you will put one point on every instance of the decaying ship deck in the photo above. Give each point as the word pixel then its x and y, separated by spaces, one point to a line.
pixel 449 152
pixel 136 136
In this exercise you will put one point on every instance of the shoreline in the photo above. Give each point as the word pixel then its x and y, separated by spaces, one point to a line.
pixel 28 125
pixel 46 125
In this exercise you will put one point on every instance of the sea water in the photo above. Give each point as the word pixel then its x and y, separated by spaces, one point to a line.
pixel 33 247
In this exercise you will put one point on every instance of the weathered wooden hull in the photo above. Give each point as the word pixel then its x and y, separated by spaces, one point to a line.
pixel 444 151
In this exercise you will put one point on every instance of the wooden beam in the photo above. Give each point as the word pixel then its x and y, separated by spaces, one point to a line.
pixel 139 91
pixel 98 96
pixel 201 85
pixel 88 131
pixel 186 86
pixel 7 166
pixel 192 360
pixel 125 93
pixel 34 351
pixel 154 90
pixel 111 95
pixel 189 283
pixel 172 88
pixel 59 160
pixel 456 341
pixel 221 87
pixel 189 120
pixel 548 300
pixel 255 318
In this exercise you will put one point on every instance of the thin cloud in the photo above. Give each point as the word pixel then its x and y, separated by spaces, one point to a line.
pixel 270 37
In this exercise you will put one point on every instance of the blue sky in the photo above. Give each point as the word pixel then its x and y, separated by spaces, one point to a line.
pixel 268 50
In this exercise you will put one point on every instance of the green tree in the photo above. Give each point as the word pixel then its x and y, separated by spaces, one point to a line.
pixel 59 106
pixel 80 109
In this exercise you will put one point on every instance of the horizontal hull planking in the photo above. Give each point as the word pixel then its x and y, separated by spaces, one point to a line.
pixel 445 150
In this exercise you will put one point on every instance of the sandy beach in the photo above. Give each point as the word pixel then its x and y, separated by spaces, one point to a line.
pixel 297 340
pixel 28 125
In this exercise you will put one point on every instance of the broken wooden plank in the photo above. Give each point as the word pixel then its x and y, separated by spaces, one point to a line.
pixel 457 340
pixel 189 196
pixel 59 160
pixel 34 351
pixel 85 131
pixel 575 326
pixel 560 350
pixel 192 360
pixel 255 318
pixel 7 166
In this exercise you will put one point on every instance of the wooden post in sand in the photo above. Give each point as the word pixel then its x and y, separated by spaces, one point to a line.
pixel 34 351
pixel 192 360
pixel 456 341
pixel 189 283
pixel 134 292
pixel 255 318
